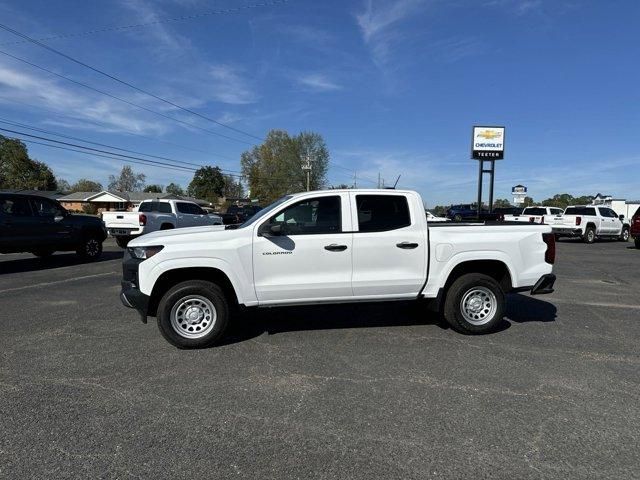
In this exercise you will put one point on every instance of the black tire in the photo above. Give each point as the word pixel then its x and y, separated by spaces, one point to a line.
pixel 166 226
pixel 589 235
pixel 624 236
pixel 173 302
pixel 487 291
pixel 457 218
pixel 123 241
pixel 637 242
pixel 43 253
pixel 90 249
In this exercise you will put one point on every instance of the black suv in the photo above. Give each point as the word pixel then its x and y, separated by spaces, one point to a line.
pixel 31 223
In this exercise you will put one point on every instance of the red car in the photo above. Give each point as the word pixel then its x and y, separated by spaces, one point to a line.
pixel 635 228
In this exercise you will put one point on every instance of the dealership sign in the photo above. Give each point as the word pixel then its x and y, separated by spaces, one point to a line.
pixel 487 143
pixel 519 193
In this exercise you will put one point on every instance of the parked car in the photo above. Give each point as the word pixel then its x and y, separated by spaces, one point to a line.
pixel 39 225
pixel 237 214
pixel 590 222
pixel 152 215
pixel 308 248
pixel 635 228
pixel 504 211
pixel 459 213
pixel 433 218
pixel 535 215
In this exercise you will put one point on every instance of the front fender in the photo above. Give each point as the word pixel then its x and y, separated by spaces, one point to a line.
pixel 149 275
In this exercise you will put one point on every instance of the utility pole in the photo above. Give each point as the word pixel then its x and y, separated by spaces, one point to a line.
pixel 379 180
pixel 306 167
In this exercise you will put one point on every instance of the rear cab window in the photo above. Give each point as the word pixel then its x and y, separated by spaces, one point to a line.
pixel 160 207
pixel 380 213
pixel 589 211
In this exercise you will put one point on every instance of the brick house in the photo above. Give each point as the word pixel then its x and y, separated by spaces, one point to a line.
pixel 116 201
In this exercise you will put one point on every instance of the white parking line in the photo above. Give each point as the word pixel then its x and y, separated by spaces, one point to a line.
pixel 66 280
pixel 596 304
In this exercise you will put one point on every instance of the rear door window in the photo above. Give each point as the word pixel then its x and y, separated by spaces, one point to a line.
pixel 15 207
pixel 379 213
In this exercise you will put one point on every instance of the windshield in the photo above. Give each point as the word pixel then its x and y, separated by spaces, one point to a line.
pixel 264 211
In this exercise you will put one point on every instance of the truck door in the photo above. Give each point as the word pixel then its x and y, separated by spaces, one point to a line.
pixel 184 215
pixel 389 245
pixel 303 251
pixel 18 227
pixel 50 218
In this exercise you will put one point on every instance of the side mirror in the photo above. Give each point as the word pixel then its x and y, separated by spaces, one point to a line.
pixel 621 217
pixel 268 230
pixel 58 218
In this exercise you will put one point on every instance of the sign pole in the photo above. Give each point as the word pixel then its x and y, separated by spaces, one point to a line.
pixel 481 164
pixel 493 169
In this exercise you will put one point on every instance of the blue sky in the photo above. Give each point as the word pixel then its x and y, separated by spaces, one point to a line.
pixel 394 86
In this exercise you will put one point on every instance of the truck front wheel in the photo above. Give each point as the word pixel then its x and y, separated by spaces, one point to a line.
pixel 193 314
pixel 474 304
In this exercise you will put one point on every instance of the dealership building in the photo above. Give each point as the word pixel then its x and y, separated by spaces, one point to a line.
pixel 619 205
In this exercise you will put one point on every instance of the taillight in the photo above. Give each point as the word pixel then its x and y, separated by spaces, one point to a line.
pixel 542 220
pixel 578 220
pixel 142 219
pixel 550 254
pixel 532 219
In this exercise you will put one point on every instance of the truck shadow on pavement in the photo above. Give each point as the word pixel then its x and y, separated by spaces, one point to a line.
pixel 252 324
pixel 62 259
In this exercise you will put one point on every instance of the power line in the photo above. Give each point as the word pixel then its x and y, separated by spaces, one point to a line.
pixel 102 92
pixel 123 82
pixel 182 18
pixel 119 129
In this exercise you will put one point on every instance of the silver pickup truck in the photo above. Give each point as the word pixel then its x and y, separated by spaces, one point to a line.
pixel 153 215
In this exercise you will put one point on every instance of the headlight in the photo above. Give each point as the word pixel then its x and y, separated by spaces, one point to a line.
pixel 143 253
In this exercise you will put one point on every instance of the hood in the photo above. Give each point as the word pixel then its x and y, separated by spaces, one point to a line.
pixel 177 235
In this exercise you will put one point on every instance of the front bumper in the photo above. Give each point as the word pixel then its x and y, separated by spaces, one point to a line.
pixel 130 294
pixel 544 284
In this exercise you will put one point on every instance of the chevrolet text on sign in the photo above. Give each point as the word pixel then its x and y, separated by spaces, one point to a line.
pixel 487 143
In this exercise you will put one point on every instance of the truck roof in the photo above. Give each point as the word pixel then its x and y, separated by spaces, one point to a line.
pixel 357 190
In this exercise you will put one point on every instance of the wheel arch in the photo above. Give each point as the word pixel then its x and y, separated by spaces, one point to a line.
pixel 174 276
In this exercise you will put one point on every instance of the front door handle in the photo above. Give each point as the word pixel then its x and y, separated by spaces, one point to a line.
pixel 334 247
pixel 407 245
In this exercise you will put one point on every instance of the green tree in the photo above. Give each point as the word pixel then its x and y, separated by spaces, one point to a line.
pixel 62 185
pixel 528 201
pixel 153 189
pixel 174 189
pixel 19 171
pixel 127 181
pixel 233 187
pixel 275 167
pixel 207 184
pixel 86 185
pixel 501 203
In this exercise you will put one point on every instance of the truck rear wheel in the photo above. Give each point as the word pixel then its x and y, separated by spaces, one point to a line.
pixel 193 314
pixel 474 304
pixel 589 235
pixel 624 236
pixel 122 241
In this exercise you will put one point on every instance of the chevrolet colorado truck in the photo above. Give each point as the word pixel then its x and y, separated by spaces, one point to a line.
pixel 333 246
pixel 152 215
pixel 590 222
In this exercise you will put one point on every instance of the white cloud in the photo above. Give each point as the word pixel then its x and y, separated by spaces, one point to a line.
pixel 228 86
pixel 21 86
pixel 377 25
pixel 519 7
pixel 318 82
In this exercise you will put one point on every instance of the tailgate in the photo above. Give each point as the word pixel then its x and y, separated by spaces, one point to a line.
pixel 121 220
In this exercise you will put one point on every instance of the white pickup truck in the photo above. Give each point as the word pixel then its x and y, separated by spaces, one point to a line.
pixel 333 246
pixel 590 222
pixel 535 215
pixel 152 215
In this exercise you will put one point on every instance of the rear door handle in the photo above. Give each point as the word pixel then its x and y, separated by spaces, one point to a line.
pixel 334 247
pixel 407 245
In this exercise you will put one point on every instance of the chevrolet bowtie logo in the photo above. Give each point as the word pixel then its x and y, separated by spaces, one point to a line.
pixel 489 134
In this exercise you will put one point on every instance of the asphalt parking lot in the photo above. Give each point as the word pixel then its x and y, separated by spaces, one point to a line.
pixel 364 391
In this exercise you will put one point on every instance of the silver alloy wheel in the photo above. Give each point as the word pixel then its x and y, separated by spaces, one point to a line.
pixel 193 316
pixel 92 247
pixel 625 235
pixel 591 235
pixel 478 305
